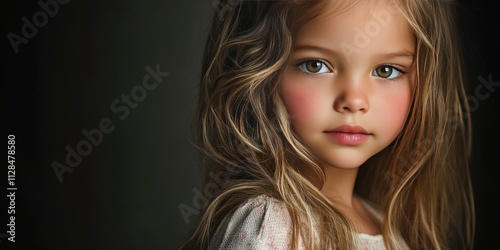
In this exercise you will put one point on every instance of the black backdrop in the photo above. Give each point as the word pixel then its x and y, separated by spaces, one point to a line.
pixel 75 83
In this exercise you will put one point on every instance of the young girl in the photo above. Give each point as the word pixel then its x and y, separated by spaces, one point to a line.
pixel 335 125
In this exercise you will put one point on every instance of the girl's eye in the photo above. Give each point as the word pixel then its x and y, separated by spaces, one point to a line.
pixel 388 72
pixel 314 67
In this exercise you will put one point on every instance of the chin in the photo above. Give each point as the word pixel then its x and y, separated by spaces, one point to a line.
pixel 344 164
pixel 346 161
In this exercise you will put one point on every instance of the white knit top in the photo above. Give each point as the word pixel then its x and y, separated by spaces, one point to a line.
pixel 264 223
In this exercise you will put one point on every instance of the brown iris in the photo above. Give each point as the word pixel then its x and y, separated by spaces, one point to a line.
pixel 313 66
pixel 384 71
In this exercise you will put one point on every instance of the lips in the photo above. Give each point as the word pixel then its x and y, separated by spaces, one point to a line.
pixel 348 135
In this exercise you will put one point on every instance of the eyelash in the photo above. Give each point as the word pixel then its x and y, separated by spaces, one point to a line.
pixel 303 62
pixel 401 72
pixel 325 64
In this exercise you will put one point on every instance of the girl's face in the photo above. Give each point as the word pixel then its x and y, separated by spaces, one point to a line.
pixel 349 84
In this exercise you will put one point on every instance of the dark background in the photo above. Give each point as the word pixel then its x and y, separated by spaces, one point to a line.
pixel 125 194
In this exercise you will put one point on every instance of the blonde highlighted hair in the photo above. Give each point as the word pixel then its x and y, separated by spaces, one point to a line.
pixel 420 182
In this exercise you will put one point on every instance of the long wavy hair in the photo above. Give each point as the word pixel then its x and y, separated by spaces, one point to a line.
pixel 420 183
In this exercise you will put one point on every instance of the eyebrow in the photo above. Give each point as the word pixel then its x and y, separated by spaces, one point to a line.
pixel 403 53
pixel 317 48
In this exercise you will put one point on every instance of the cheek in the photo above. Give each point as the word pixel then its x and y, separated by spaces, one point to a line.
pixel 298 103
pixel 303 104
pixel 394 112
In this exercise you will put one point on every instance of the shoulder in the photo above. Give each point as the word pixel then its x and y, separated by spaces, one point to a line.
pixel 260 223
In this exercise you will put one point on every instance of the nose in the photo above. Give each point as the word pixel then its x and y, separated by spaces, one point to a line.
pixel 352 97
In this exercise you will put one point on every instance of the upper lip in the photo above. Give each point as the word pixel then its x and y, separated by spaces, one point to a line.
pixel 355 129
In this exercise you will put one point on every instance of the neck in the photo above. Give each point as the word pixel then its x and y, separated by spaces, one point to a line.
pixel 339 188
pixel 339 184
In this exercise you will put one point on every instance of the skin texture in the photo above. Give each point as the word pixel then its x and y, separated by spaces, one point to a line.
pixel 336 77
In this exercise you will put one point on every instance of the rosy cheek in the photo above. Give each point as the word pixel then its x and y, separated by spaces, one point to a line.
pixel 396 110
pixel 300 103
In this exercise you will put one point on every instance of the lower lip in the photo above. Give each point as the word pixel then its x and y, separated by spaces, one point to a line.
pixel 348 138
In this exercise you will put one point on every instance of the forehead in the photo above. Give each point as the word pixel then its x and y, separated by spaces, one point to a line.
pixel 360 24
